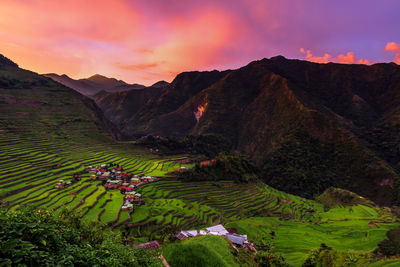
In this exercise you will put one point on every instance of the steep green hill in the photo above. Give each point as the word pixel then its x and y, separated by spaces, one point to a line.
pixel 200 251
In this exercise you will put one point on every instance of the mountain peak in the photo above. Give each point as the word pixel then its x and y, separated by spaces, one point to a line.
pixel 159 84
pixel 4 61
pixel 278 58
pixel 97 78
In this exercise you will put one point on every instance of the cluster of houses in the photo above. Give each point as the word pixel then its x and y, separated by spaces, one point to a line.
pixel 114 177
pixel 129 199
pixel 231 234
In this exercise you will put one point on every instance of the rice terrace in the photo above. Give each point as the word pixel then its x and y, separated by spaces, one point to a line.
pixel 176 134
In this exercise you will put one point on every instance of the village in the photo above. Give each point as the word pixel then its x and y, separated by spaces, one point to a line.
pixel 113 176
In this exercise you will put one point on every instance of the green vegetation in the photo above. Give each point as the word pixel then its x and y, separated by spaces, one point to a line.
pixel 391 245
pixel 347 231
pixel 37 238
pixel 225 167
pixel 186 205
pixel 326 256
pixel 334 197
pixel 29 172
pixel 306 166
pixel 200 251
pixel 208 145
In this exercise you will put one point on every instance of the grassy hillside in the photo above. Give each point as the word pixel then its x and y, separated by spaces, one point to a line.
pixel 343 229
pixel 200 251
pixel 29 171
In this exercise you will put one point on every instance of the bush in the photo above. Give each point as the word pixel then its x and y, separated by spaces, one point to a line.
pixel 390 246
pixel 37 238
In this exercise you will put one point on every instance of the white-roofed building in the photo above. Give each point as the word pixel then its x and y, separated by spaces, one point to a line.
pixel 202 232
pixel 191 233
pixel 237 239
pixel 219 229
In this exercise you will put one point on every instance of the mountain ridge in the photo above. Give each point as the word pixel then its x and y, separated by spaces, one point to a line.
pixel 93 84
pixel 271 106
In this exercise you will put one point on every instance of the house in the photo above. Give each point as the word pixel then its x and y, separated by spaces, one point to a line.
pixel 153 245
pixel 126 188
pixel 191 233
pixel 217 230
pixel 202 232
pixel 182 235
pixel 237 239
pixel 135 180
pixel 105 175
pixel 127 206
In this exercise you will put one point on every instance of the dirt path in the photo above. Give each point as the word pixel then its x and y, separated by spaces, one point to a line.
pixel 164 261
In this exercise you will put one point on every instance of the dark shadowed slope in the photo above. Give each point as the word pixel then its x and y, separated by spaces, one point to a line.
pixel 120 106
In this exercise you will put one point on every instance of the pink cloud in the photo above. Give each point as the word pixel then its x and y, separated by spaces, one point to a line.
pixel 394 47
pixel 348 58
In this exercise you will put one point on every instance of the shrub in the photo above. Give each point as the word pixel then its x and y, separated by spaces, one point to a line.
pixel 390 246
pixel 38 238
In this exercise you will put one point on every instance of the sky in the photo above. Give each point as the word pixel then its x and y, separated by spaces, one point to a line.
pixel 150 40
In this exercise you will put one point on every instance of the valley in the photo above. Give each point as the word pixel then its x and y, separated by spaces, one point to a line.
pixel 51 133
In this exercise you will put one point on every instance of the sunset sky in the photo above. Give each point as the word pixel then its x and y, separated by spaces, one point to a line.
pixel 150 40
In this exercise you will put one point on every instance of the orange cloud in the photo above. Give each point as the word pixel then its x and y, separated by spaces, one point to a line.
pixel 394 47
pixel 348 58
pixel 324 59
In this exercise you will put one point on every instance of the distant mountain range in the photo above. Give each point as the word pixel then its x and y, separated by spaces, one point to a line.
pixel 96 83
pixel 308 125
